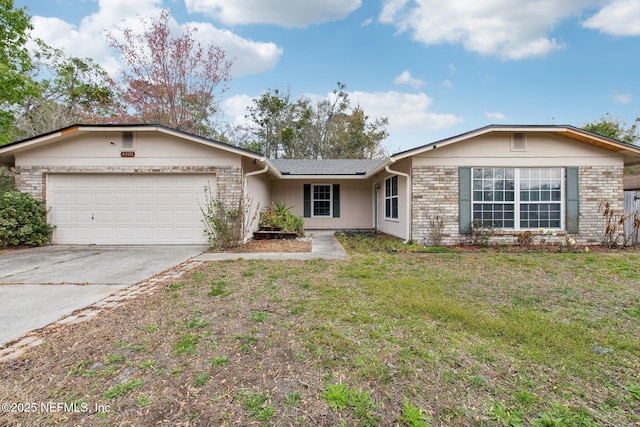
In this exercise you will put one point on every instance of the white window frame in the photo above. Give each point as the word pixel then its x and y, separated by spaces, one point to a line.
pixel 517 198
pixel 314 200
pixel 391 197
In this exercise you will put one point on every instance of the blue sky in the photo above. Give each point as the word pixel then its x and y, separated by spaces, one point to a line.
pixel 435 68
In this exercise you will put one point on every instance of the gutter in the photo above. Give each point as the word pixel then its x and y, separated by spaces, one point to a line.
pixel 244 190
pixel 408 201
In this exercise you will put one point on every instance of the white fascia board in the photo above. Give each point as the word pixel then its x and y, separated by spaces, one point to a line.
pixel 323 177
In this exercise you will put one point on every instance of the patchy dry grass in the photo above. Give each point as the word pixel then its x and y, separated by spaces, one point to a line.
pixel 398 338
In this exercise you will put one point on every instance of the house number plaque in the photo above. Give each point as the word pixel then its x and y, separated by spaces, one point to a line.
pixel 127 154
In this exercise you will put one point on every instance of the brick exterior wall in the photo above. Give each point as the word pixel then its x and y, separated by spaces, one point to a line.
pixel 435 193
pixel 597 185
pixel 32 179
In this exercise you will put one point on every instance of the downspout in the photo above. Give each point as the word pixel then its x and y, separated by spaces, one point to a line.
pixel 246 184
pixel 408 207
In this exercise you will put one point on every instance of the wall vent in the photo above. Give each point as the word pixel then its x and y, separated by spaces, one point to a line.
pixel 127 141
pixel 518 142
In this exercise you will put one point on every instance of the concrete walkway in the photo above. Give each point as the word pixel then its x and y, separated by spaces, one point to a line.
pixel 323 245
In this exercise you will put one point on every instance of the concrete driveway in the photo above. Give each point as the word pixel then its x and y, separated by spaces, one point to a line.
pixel 38 286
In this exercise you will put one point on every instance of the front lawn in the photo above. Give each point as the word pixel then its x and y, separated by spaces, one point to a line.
pixel 386 338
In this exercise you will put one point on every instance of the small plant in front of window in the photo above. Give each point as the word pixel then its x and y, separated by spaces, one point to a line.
pixel 481 232
pixel 550 233
pixel 525 238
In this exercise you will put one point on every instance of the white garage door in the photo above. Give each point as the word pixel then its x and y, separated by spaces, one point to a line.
pixel 127 208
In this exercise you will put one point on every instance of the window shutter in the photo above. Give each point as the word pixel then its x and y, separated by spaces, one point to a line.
pixel 573 200
pixel 464 200
pixel 307 200
pixel 336 200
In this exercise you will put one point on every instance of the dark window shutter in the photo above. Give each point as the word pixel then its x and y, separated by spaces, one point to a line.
pixel 336 200
pixel 464 200
pixel 307 200
pixel 573 200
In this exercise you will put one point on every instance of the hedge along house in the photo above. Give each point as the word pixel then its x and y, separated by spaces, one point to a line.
pixel 144 184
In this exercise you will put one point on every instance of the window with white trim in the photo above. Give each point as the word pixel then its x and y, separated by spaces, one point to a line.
pixel 391 197
pixel 321 200
pixel 518 198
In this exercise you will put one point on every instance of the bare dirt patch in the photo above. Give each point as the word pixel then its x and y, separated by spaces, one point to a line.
pixel 274 245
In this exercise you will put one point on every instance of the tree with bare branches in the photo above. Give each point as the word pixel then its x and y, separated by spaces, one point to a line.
pixel 168 79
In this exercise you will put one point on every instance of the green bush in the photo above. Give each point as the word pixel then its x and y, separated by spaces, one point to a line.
pixel 222 225
pixel 7 183
pixel 22 220
pixel 280 216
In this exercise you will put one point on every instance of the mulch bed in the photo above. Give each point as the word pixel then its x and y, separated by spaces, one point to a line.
pixel 275 245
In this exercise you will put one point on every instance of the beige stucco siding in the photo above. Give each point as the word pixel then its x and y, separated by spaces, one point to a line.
pixel 395 227
pixel 102 149
pixel 257 193
pixel 356 205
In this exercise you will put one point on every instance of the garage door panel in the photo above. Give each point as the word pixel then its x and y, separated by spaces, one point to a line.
pixel 127 209
pixel 82 199
pixel 101 217
pixel 144 217
pixel 104 233
pixel 144 199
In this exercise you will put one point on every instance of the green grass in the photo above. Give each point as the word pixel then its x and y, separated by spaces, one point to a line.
pixel 122 389
pixel 257 405
pixel 219 361
pixel 187 344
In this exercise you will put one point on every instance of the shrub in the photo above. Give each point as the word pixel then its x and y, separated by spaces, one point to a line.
pixel 7 182
pixel 481 232
pixel 436 230
pixel 525 238
pixel 279 215
pixel 22 220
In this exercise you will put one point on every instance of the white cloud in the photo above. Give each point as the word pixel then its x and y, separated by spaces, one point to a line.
pixel 235 108
pixel 249 57
pixel 510 29
pixel 86 39
pixel 619 18
pixel 405 78
pixel 495 116
pixel 622 98
pixel 405 111
pixel 286 13
pixel 448 84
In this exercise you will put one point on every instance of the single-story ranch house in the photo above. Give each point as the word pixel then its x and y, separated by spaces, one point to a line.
pixel 143 184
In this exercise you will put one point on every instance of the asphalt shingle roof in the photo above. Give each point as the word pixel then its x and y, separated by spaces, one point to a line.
pixel 326 166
